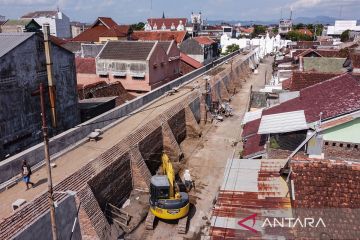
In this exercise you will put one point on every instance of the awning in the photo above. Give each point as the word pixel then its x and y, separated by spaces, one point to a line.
pixel 283 122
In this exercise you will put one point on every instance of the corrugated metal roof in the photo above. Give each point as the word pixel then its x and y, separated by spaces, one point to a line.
pixel 251 187
pixel 251 116
pixel 8 41
pixel 283 122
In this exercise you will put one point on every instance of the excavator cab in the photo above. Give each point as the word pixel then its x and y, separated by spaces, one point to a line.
pixel 159 189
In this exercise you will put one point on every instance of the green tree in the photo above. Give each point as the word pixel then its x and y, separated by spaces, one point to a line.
pixel 231 48
pixel 138 26
pixel 345 36
pixel 258 29
pixel 296 36
pixel 275 30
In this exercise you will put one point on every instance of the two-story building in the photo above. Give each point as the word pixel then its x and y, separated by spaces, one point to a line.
pixel 58 21
pixel 202 49
pixel 21 25
pixel 22 69
pixel 140 66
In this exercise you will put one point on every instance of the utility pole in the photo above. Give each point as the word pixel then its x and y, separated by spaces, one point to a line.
pixel 47 163
pixel 51 81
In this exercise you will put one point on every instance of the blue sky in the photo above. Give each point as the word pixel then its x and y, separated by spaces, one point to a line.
pixel 129 11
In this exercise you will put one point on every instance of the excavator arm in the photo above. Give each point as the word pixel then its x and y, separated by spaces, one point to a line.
pixel 169 172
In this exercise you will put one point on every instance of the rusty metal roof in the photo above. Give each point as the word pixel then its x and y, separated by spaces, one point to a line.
pixel 250 186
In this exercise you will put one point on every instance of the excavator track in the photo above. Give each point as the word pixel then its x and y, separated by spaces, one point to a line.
pixel 182 225
pixel 149 222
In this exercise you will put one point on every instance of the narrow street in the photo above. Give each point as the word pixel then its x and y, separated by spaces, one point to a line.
pixel 206 159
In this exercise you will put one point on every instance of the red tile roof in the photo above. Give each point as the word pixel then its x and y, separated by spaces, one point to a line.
pixel 190 61
pixel 251 128
pixel 333 97
pixel 355 60
pixel 167 21
pixel 305 32
pixel 85 65
pixel 91 34
pixel 178 36
pixel 108 22
pixel 116 31
pixel 204 40
pixel 306 44
pixel 344 53
pixel 301 80
pixel 101 25
pixel 253 145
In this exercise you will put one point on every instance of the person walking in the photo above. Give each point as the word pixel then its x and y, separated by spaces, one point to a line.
pixel 26 173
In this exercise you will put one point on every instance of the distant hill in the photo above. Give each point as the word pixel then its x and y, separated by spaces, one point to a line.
pixel 305 20
pixel 319 20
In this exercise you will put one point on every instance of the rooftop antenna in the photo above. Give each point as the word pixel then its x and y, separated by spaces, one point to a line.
pixel 291 13
pixel 281 14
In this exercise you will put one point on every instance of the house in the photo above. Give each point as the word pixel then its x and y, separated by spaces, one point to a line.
pixel 22 25
pixel 58 21
pixel 93 33
pixel 116 32
pixel 324 107
pixel 305 31
pixel 202 49
pixel 188 64
pixel 139 66
pixel 22 68
pixel 165 24
pixel 178 36
pixel 341 26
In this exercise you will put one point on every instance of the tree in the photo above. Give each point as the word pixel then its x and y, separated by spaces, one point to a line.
pixel 138 26
pixel 232 48
pixel 275 30
pixel 296 36
pixel 258 29
pixel 345 36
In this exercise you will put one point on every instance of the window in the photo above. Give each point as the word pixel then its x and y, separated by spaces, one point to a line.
pixel 119 77
pixel 326 143
pixel 341 145
pixel 139 78
pixel 103 76
pixel 334 144
pixel 356 146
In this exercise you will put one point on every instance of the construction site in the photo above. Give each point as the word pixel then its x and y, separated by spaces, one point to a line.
pixel 105 184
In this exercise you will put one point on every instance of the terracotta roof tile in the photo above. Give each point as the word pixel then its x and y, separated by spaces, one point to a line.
pixel 91 34
pixel 254 145
pixel 251 128
pixel 116 31
pixel 190 61
pixel 85 65
pixel 204 40
pixel 355 60
pixel 305 32
pixel 109 22
pixel 301 80
pixel 178 36
pixel 333 97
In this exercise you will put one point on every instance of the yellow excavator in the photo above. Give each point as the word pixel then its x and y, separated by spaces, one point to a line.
pixel 166 202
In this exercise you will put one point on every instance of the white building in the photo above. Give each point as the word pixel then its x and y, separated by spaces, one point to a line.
pixel 341 26
pixel 58 21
